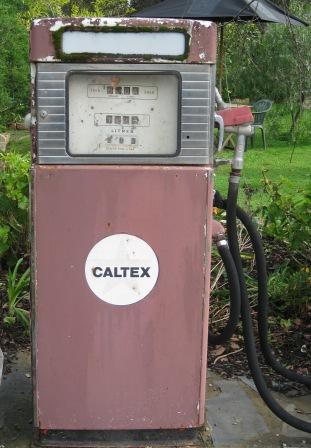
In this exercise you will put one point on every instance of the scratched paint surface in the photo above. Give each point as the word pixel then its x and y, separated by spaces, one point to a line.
pixel 202 49
pixel 101 366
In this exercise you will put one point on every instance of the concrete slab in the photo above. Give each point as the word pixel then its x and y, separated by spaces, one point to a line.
pixel 16 405
pixel 233 416
pixel 1 365
pixel 16 420
pixel 236 414
pixel 239 419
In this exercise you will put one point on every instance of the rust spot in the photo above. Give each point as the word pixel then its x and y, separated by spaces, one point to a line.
pixel 115 81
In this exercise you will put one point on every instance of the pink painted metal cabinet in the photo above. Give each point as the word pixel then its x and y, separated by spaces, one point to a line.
pixel 141 364
pixel 102 366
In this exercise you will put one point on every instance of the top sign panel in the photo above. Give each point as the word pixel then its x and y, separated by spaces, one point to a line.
pixel 123 40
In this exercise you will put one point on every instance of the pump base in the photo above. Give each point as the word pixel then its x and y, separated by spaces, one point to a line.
pixel 194 438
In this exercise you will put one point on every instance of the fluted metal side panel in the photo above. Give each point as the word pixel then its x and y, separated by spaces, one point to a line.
pixel 196 113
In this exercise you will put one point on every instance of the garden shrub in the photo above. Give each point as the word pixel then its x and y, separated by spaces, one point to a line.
pixel 290 290
pixel 14 65
pixel 288 217
pixel 278 124
pixel 14 202
pixel 287 220
pixel 17 294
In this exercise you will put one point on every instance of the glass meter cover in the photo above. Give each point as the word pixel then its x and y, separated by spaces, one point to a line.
pixel 123 114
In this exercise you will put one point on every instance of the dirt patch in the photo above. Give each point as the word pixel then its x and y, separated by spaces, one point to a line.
pixel 289 347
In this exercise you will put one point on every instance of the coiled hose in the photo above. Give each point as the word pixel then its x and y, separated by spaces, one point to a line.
pixel 263 297
pixel 249 338
pixel 235 297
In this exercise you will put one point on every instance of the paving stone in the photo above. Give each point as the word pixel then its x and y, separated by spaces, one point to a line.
pixel 233 417
pixel 235 412
pixel 1 364
pixel 16 405
pixel 228 405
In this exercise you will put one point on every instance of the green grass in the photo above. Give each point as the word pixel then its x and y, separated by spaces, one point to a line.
pixel 275 163
pixel 279 162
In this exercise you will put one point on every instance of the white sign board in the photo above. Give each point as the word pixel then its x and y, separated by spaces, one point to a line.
pixel 122 114
pixel 121 269
pixel 159 44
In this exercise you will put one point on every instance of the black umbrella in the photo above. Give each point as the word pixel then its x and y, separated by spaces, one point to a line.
pixel 221 11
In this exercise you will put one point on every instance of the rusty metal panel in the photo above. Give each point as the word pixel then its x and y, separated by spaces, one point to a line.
pixel 44 36
pixel 100 366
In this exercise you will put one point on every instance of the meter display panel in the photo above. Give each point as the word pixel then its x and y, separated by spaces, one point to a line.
pixel 123 114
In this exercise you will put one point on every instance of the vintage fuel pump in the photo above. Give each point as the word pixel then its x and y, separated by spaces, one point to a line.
pixel 122 128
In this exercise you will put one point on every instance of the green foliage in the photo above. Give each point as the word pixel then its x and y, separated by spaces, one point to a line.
pixel 288 217
pixel 289 290
pixel 269 65
pixel 17 285
pixel 79 8
pixel 278 124
pixel 14 80
pixel 111 8
pixel 271 61
pixel 14 201
pixel 43 8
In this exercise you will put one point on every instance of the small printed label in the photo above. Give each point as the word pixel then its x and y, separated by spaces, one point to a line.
pixel 133 92
pixel 121 269
pixel 103 119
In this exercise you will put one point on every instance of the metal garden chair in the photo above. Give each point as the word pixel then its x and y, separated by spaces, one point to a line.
pixel 259 110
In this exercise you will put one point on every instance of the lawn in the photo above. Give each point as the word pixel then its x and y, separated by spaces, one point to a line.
pixel 279 162
pixel 277 165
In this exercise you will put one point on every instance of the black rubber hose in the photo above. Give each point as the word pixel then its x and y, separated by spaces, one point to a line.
pixel 235 297
pixel 249 338
pixel 263 297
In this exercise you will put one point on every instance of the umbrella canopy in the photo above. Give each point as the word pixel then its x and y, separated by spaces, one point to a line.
pixel 221 11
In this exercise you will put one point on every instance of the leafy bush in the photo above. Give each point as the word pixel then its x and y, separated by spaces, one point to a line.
pixel 81 8
pixel 14 178
pixel 278 124
pixel 290 290
pixel 287 222
pixel 17 286
pixel 14 66
pixel 288 217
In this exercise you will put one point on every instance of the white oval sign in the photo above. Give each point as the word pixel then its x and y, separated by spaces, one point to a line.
pixel 121 269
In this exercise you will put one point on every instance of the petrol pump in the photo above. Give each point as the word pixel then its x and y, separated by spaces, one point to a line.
pixel 122 166
pixel 122 131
